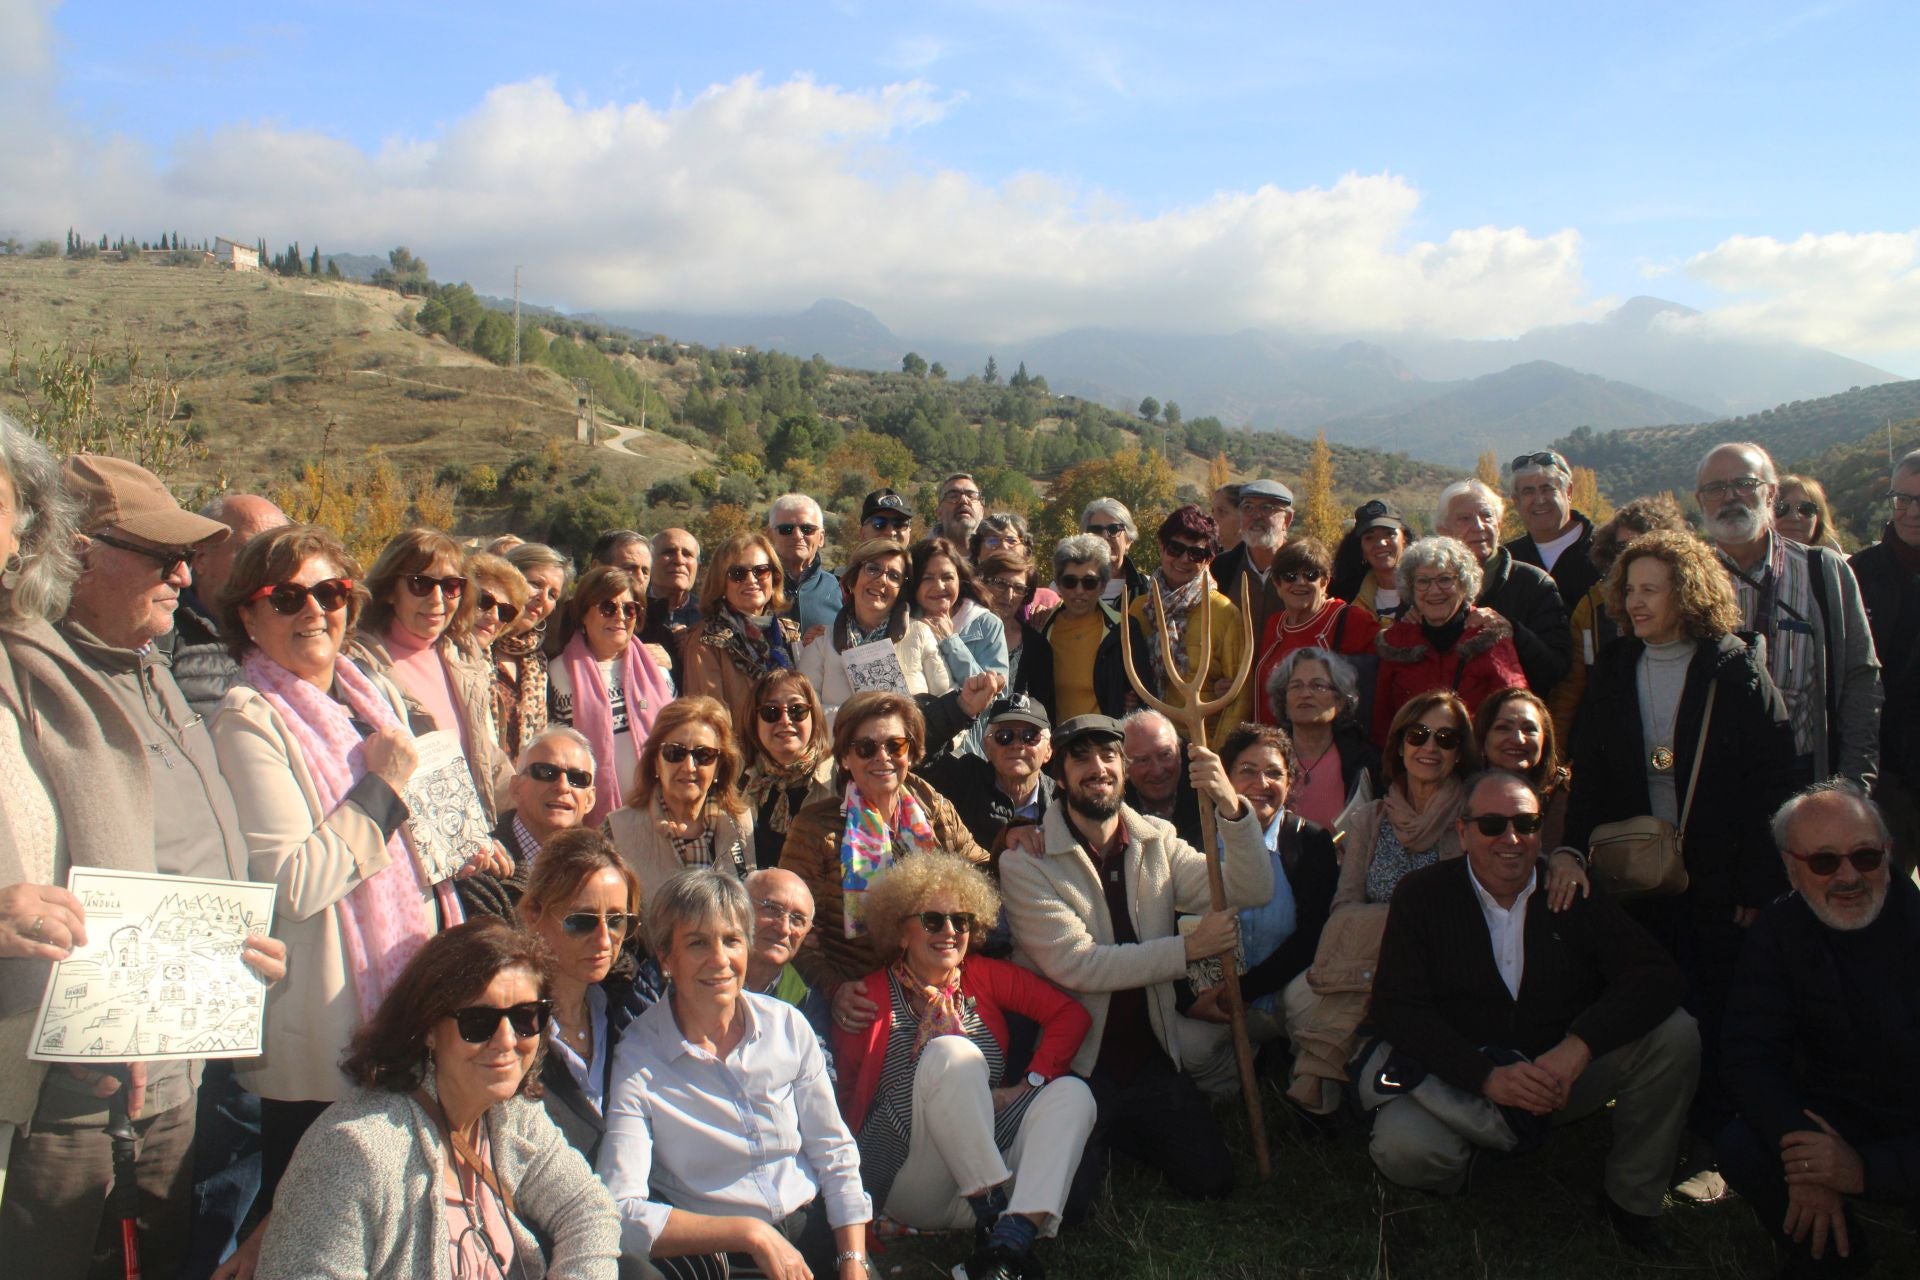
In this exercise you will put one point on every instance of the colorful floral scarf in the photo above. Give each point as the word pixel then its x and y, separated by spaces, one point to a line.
pixel 946 1009
pixel 754 645
pixel 868 847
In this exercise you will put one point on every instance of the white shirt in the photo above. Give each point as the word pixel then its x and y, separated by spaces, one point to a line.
pixel 756 1134
pixel 1550 551
pixel 1507 928
pixel 588 1074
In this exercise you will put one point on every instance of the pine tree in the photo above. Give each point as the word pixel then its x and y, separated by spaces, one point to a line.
pixel 1320 509
pixel 993 372
pixel 1219 471
pixel 313 268
pixel 1585 497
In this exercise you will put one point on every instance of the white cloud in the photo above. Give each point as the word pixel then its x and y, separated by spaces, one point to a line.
pixel 1856 292
pixel 751 196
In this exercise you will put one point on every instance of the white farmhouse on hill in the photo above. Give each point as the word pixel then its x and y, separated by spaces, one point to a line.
pixel 231 253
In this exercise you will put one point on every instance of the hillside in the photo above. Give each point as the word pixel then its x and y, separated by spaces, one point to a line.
pixel 1509 412
pixel 1649 459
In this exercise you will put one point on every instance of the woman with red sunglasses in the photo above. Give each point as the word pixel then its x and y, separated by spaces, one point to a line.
pixel 603 681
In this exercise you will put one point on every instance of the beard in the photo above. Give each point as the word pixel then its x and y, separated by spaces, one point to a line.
pixel 1096 808
pixel 1848 919
pixel 1263 537
pixel 1738 523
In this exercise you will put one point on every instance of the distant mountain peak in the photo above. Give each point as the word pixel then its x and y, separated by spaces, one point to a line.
pixel 1642 311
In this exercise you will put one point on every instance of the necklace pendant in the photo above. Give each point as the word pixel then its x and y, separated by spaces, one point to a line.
pixel 1661 759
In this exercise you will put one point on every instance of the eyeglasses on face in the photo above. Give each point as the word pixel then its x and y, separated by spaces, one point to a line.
pixel 1901 501
pixel 1426 586
pixel 1010 586
pixel 579 924
pixel 289 598
pixel 618 609
pixel 1321 687
pixel 1078 582
pixel 1745 486
pixel 1026 735
pixel 879 569
pixel 1107 530
pixel 868 748
pixel 804 530
pixel 1805 510
pixel 677 753
pixel 1445 739
pixel 960 495
pixel 794 712
pixel 1308 576
pixel 505 610
pixel 1492 824
pixel 544 771
pixel 1173 550
pixel 422 585
pixel 762 572
pixel 938 921
pixel 774 911
pixel 890 522
pixel 1263 506
pixel 168 558
pixel 477 1023
pixel 1864 859
pixel 994 541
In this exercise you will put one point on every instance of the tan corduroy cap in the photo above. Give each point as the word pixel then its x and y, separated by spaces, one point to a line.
pixel 113 493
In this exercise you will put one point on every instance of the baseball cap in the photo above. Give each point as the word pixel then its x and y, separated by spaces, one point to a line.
pixel 1375 514
pixel 1271 490
pixel 1082 726
pixel 1018 706
pixel 884 502
pixel 113 493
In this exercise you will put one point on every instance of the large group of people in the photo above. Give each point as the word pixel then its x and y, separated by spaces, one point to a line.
pixel 825 897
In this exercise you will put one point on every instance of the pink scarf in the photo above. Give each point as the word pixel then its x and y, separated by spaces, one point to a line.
pixel 645 691
pixel 380 918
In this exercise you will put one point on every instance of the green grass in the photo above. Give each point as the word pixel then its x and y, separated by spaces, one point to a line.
pixel 1326 1214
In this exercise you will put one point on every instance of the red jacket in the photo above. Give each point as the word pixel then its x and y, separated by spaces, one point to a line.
pixel 997 987
pixel 1346 629
pixel 1482 662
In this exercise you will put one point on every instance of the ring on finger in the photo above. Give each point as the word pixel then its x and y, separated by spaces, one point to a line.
pixel 38 929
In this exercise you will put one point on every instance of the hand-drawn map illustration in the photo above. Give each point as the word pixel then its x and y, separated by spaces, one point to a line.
pixel 161 976
pixel 445 824
pixel 874 668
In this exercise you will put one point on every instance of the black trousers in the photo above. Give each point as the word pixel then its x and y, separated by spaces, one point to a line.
pixel 1752 1167
pixel 1160 1118
pixel 806 1229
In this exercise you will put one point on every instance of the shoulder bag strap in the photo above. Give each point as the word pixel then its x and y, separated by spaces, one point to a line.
pixel 1699 753
pixel 463 1152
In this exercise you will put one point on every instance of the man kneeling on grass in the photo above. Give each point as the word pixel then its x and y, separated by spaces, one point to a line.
pixel 1503 1021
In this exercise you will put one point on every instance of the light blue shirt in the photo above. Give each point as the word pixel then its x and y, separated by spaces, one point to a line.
pixel 1264 928
pixel 815 600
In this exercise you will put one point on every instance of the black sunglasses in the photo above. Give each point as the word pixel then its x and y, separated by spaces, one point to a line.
pixel 1544 459
pixel 452 587
pixel 581 923
pixel 1492 824
pixel 868 748
pixel 1199 555
pixel 168 558
pixel 621 609
pixel 741 572
pixel 1026 735
pixel 543 771
pixel 1445 739
pixel 505 610
pixel 774 712
pixel 1106 530
pixel 677 752
pixel 1805 510
pixel 937 921
pixel 788 530
pixel 1865 858
pixel 889 522
pixel 1302 575
pixel 477 1023
pixel 289 598
pixel 1074 582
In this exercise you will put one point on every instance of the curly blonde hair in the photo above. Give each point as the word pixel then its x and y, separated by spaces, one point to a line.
pixel 1701 590
pixel 912 882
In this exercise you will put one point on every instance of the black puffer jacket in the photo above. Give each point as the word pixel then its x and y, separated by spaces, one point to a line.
pixel 1573 573
pixel 1526 597
pixel 1746 775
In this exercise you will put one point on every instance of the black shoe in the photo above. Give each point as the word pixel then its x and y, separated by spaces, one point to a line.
pixel 1317 1126
pixel 997 1262
pixel 1640 1233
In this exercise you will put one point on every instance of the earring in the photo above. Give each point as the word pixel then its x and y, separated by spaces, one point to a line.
pixel 10 575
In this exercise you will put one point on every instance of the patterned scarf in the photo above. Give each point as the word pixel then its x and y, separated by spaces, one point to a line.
pixel 380 920
pixel 780 781
pixel 945 1012
pixel 755 649
pixel 526 719
pixel 868 847
pixel 1179 602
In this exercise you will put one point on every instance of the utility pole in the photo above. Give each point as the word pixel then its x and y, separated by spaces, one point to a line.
pixel 516 317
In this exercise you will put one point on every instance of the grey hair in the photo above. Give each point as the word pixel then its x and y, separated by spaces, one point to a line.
pixel 1461 488
pixel 694 897
pixel 1084 548
pixel 538 555
pixel 1005 521
pixel 1492 773
pixel 563 733
pixel 45 520
pixel 1113 507
pixel 786 500
pixel 1439 552
pixel 1767 472
pixel 1146 716
pixel 1346 682
pixel 1909 463
pixel 1536 468
pixel 1848 790
pixel 654 545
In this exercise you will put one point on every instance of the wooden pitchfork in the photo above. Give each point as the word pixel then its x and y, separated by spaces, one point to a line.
pixel 1193 717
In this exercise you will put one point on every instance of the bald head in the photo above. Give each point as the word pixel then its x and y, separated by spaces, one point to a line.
pixel 248 515
pixel 782 918
pixel 1834 823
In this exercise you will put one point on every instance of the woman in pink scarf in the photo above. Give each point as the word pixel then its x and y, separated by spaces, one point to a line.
pixel 316 752
pixel 604 682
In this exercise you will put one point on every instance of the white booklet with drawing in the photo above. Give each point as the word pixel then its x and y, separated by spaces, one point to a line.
pixel 161 976
pixel 874 668
pixel 446 824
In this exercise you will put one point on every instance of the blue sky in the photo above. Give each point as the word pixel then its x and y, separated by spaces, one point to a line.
pixel 1754 160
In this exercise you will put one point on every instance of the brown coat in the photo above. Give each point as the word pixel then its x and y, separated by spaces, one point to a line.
pixel 813 854
pixel 646 849
pixel 706 667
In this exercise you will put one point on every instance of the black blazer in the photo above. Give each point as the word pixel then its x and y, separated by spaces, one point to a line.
pixel 566 1102
pixel 1748 772
pixel 1573 573
pixel 1527 598
pixel 1439 998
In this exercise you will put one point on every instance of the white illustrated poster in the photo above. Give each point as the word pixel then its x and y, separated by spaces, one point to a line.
pixel 874 668
pixel 161 976
pixel 445 824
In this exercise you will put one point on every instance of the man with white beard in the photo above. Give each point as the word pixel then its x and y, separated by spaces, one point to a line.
pixel 1266 513
pixel 1806 603
pixel 1822 1037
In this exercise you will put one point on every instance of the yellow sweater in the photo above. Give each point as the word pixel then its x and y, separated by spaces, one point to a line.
pixel 1227 652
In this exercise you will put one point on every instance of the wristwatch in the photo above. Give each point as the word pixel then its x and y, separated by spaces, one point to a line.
pixel 853 1255
pixel 1035 1080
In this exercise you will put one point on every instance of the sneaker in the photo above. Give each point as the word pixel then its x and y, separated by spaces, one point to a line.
pixel 1638 1232
pixel 998 1263
pixel 1704 1187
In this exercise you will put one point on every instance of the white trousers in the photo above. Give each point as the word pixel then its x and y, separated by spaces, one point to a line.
pixel 952 1155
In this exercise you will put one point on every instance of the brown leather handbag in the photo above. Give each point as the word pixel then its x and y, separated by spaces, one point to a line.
pixel 1644 857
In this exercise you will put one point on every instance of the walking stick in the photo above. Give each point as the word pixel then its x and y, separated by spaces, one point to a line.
pixel 123 1201
pixel 1193 716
